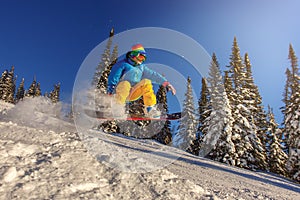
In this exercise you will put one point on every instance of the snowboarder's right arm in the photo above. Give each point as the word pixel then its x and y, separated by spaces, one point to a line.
pixel 114 77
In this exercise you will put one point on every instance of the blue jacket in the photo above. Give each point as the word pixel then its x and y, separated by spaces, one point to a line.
pixel 125 70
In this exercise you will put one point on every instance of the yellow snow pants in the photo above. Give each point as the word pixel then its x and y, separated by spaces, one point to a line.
pixel 124 92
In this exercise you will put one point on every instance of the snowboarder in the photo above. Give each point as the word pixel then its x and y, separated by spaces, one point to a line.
pixel 130 79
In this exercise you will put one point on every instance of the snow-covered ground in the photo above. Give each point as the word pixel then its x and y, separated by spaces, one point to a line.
pixel 4 107
pixel 43 157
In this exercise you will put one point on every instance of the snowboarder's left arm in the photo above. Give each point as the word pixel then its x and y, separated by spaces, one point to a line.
pixel 158 78
pixel 154 76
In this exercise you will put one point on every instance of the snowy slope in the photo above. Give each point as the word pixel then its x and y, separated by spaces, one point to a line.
pixel 45 158
pixel 4 107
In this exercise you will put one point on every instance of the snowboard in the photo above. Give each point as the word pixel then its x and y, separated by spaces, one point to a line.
pixel 101 115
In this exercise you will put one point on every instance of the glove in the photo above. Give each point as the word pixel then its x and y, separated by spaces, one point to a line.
pixel 169 87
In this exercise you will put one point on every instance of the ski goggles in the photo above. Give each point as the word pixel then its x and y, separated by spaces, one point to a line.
pixel 139 55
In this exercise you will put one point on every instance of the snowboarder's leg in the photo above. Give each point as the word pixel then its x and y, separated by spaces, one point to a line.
pixel 122 92
pixel 143 88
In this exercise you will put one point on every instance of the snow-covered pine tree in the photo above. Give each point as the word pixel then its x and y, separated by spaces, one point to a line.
pixel 229 88
pixel 114 55
pixel 102 84
pixel 188 124
pixel 54 94
pixel 9 86
pixel 248 146
pixel 203 113
pixel 3 84
pixel 287 89
pixel 294 71
pixel 292 120
pixel 286 100
pixel 204 108
pixel 241 126
pixel 293 129
pixel 165 135
pixel 12 85
pixel 32 89
pixel 253 101
pixel 38 91
pixel 276 156
pixel 103 68
pixel 20 91
pixel 236 69
pixel 218 139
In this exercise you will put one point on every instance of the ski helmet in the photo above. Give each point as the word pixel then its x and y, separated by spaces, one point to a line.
pixel 138 48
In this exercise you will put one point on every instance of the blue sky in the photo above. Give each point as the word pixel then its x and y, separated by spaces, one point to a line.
pixel 50 39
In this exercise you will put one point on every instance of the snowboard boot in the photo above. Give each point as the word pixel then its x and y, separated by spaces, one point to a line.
pixel 152 112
